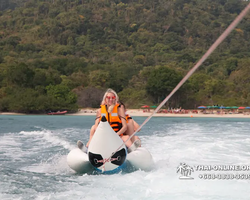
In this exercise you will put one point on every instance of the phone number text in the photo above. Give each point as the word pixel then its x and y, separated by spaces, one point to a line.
pixel 224 176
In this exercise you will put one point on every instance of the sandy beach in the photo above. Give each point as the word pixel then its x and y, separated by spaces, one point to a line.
pixel 140 112
pixel 10 113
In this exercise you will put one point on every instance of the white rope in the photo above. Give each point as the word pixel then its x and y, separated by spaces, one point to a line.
pixel 204 57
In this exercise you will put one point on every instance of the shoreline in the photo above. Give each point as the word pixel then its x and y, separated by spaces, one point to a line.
pixel 141 113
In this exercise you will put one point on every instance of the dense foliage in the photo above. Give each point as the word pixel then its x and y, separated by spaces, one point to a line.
pixel 63 54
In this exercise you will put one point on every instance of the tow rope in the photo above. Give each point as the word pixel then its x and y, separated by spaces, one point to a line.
pixel 204 57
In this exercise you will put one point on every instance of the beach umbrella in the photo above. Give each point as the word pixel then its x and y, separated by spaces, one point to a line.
pixel 202 107
pixel 213 107
pixel 222 107
pixel 247 107
pixel 241 108
pixel 153 106
pixel 145 106
pixel 234 107
pixel 228 107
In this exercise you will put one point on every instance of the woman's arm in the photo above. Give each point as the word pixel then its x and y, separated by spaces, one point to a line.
pixel 98 116
pixel 121 114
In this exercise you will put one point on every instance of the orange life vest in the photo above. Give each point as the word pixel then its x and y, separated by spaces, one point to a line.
pixel 128 117
pixel 113 117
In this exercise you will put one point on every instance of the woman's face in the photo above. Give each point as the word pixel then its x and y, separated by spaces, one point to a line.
pixel 110 99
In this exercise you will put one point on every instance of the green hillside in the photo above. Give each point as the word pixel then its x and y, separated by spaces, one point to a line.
pixel 63 54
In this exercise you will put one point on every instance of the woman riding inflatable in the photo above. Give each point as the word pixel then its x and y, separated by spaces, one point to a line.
pixel 115 114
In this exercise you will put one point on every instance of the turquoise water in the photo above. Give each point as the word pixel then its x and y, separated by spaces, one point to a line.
pixel 33 152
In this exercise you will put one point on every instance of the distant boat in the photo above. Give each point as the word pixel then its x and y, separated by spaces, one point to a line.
pixel 57 113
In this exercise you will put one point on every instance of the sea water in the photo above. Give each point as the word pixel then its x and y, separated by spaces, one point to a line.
pixel 33 151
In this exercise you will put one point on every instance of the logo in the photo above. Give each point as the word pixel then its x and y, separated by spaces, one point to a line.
pixel 212 172
pixel 185 171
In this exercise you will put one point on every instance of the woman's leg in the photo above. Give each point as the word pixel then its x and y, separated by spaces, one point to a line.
pixel 131 145
pixel 129 142
pixel 130 130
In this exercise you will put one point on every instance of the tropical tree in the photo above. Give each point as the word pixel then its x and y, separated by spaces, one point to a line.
pixel 161 82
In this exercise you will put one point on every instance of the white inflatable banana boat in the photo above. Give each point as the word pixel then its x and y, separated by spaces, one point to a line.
pixel 108 154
